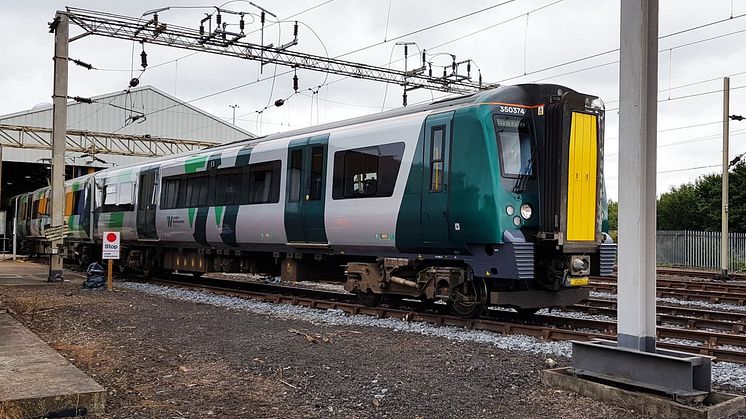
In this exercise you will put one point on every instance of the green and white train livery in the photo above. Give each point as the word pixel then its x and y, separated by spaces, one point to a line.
pixel 492 198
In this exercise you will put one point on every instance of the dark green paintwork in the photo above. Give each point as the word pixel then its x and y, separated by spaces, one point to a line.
pixel 434 204
pixel 304 219
pixel 476 193
pixel 230 219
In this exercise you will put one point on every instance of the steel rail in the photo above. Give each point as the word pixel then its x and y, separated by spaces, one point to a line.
pixel 680 293
pixel 686 317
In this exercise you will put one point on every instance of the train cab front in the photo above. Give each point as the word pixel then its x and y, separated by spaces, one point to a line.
pixel 551 168
pixel 570 242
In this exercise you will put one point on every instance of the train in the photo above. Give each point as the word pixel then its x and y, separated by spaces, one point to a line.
pixel 495 198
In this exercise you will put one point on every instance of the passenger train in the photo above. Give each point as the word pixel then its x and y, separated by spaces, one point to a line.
pixel 494 198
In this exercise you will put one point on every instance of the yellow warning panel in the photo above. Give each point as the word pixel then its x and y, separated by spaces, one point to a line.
pixel 581 183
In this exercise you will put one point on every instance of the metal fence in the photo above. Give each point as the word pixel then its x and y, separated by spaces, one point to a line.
pixel 700 249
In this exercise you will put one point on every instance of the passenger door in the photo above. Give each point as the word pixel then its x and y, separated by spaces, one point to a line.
pixel 436 159
pixel 306 189
pixel 146 204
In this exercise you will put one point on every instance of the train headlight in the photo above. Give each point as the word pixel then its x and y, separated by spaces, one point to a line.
pixel 526 211
pixel 509 210
pixel 595 104
pixel 517 221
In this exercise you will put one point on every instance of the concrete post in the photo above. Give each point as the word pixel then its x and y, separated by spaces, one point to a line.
pixel 637 153
pixel 1 173
pixel 726 163
pixel 59 127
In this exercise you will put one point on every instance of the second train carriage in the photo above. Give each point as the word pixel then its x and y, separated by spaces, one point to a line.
pixel 492 198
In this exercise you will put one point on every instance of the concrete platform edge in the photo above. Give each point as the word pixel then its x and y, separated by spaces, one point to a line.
pixel 92 402
pixel 724 404
pixel 36 381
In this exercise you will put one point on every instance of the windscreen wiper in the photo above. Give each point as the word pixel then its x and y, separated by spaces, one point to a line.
pixel 520 183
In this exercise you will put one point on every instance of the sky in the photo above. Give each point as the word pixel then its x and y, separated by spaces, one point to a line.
pixel 519 41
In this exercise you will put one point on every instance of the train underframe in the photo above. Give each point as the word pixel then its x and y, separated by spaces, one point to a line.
pixel 443 283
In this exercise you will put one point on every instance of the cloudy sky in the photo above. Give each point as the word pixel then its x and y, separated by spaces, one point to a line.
pixel 520 41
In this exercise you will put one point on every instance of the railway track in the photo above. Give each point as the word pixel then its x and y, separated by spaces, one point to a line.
pixel 738 276
pixel 545 327
pixel 685 290
pixel 690 318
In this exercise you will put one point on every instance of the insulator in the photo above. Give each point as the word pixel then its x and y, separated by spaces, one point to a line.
pixel 218 19
pixel 295 82
pixel 143 59
pixel 423 57
pixel 279 102
pixel 406 49
pixel 468 68
pixel 444 71
pixel 262 18
pixel 295 29
pixel 82 99
pixel 430 70
pixel 404 97
pixel 241 23
pixel 155 18
pixel 480 78
pixel 134 82
pixel 453 64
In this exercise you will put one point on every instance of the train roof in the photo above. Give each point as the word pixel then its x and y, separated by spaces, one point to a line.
pixel 531 93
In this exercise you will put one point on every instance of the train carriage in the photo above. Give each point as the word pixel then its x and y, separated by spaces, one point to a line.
pixel 491 198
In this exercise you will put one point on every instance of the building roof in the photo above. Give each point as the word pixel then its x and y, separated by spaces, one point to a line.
pixel 141 111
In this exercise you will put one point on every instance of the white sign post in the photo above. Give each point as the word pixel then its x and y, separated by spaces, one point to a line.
pixel 110 251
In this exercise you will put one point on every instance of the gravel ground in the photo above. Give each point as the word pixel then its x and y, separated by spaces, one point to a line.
pixel 173 358
pixel 169 353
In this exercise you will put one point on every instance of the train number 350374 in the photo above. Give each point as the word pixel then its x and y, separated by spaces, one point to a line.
pixel 512 109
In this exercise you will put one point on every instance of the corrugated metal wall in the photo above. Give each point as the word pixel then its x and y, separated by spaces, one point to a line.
pixel 700 249
pixel 166 116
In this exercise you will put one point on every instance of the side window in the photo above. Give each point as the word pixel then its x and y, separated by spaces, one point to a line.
pixel 78 202
pixel 68 203
pixel 227 186
pixel 111 195
pixel 170 193
pixel 199 188
pixel 437 137
pixel 119 197
pixel 295 175
pixel 264 182
pixel 367 172
pixel 126 193
pixel 316 180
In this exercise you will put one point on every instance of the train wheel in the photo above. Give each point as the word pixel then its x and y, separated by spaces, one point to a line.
pixel 368 298
pixel 468 299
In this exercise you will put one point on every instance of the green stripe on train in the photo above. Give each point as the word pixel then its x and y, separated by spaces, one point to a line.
pixel 116 220
pixel 193 163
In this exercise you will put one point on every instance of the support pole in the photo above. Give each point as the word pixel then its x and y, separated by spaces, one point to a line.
pixel 726 163
pixel 638 113
pixel 633 359
pixel 109 271
pixel 1 173
pixel 59 127
pixel 15 223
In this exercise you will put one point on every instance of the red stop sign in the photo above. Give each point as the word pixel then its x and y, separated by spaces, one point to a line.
pixel 111 237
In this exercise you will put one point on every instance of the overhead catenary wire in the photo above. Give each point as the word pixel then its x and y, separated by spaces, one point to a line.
pixel 711 23
pixel 599 54
pixel 359 49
